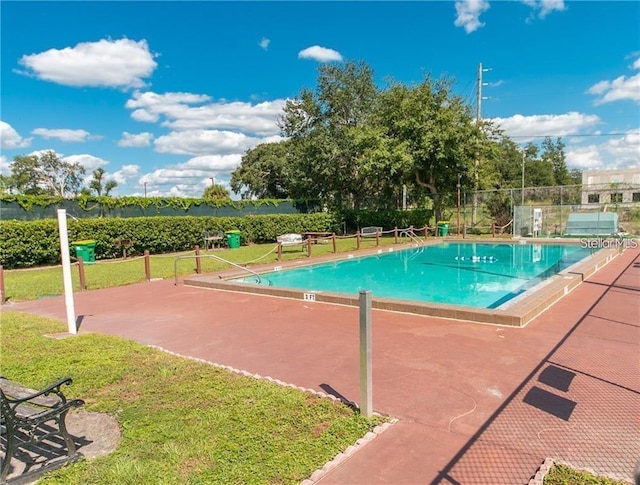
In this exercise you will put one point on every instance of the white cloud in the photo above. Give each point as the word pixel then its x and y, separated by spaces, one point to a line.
pixel 468 14
pixel 619 89
pixel 264 43
pixel 618 152
pixel 135 140
pixel 89 162
pixel 545 7
pixel 185 111
pixel 122 63
pixel 149 100
pixel 144 116
pixel 636 64
pixel 623 151
pixel 65 135
pixel 125 173
pixel 320 54
pixel 584 157
pixel 204 142
pixel 192 176
pixel 528 128
pixel 10 139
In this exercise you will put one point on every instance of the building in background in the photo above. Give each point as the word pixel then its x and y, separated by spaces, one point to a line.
pixel 620 186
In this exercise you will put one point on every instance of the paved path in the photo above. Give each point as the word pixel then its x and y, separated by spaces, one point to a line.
pixel 477 403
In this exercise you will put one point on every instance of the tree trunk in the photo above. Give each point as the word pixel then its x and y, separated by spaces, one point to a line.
pixel 437 209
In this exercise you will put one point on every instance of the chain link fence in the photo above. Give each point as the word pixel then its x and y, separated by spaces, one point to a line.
pixel 540 211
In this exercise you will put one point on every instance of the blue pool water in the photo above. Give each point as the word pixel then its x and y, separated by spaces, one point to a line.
pixel 478 275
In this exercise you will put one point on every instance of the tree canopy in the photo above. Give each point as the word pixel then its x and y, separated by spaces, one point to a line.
pixel 353 145
pixel 45 174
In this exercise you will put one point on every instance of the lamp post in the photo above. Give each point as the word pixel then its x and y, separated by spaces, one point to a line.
pixel 145 190
pixel 213 181
pixel 458 191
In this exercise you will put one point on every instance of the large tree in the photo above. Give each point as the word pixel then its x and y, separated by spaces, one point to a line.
pixel 553 154
pixel 431 136
pixel 332 134
pixel 352 145
pixel 46 174
pixel 266 171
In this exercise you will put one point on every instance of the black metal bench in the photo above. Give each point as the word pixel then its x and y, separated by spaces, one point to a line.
pixel 29 417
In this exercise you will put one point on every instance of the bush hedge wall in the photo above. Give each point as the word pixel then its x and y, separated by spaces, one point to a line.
pixel 25 244
pixel 386 218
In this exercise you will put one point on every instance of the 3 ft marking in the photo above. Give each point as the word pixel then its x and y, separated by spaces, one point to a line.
pixel 309 297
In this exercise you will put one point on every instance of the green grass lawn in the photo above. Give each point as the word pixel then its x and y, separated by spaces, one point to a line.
pixel 182 421
pixel 564 475
pixel 41 282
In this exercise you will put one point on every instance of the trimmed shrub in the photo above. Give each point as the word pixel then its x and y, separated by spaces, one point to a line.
pixel 26 244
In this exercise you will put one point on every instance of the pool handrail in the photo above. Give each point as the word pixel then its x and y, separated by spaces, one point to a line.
pixel 175 265
pixel 412 236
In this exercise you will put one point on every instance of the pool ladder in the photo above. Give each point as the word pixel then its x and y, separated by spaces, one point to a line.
pixel 412 236
pixel 175 265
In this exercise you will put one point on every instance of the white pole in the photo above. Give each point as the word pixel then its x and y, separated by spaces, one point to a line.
pixel 366 380
pixel 66 271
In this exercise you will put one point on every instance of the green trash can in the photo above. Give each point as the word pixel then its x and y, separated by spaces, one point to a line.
pixel 233 238
pixel 443 228
pixel 85 249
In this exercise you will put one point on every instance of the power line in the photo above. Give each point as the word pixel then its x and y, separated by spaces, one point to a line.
pixel 568 135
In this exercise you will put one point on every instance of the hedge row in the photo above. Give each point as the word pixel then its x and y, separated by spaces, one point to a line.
pixel 26 244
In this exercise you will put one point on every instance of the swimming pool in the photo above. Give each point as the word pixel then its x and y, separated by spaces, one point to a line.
pixel 510 282
pixel 477 275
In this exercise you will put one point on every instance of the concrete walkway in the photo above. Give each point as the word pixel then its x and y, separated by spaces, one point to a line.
pixel 476 403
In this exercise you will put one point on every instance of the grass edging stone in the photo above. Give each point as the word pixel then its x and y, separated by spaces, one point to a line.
pixel 340 457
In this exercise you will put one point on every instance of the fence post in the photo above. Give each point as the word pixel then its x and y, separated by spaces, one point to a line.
pixel 279 251
pixel 377 238
pixel 358 239
pixel 366 381
pixel 147 265
pixel 198 263
pixel 83 280
pixel 309 247
pixel 2 293
pixel 333 238
pixel 395 235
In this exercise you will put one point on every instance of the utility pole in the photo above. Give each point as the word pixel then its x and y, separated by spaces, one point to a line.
pixel 479 99
pixel 476 164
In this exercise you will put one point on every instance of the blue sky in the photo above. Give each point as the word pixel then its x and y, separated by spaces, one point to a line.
pixel 169 95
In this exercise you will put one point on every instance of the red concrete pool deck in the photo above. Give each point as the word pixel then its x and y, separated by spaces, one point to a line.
pixel 476 403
